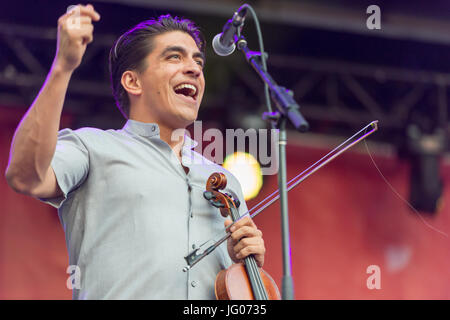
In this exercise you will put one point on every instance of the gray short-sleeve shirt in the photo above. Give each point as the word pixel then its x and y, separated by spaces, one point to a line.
pixel 131 213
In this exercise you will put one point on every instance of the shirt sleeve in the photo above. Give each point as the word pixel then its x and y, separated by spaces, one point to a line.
pixel 70 164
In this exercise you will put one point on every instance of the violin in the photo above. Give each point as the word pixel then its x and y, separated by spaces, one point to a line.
pixel 241 281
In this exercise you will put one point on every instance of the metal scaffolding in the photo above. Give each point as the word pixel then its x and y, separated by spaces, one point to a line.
pixel 335 95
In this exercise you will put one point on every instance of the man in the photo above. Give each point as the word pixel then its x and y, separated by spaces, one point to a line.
pixel 130 200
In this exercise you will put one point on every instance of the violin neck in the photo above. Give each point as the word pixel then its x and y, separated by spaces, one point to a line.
pixel 258 288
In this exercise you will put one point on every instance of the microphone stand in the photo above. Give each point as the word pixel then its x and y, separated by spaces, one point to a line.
pixel 287 109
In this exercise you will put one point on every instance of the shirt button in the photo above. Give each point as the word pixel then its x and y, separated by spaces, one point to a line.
pixel 194 284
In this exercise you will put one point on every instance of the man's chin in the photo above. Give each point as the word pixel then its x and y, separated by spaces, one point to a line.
pixel 184 121
pixel 189 122
pixel 189 116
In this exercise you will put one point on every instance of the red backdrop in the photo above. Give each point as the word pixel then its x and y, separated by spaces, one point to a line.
pixel 343 219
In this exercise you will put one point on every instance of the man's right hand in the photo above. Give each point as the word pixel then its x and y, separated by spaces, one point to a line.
pixel 75 32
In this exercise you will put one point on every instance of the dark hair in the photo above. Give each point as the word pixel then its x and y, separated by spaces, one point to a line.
pixel 131 48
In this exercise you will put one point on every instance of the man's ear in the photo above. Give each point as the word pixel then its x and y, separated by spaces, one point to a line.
pixel 130 82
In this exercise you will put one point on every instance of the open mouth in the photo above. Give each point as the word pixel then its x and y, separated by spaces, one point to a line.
pixel 187 90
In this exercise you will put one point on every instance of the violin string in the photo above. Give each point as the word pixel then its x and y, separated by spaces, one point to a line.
pixel 259 290
pixel 401 198
pixel 262 289
pixel 253 279
pixel 263 292
pixel 251 267
pixel 265 295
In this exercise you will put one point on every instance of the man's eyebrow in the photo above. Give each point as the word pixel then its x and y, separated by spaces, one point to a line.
pixel 183 51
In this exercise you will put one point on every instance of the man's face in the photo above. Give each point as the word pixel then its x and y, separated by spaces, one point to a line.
pixel 173 82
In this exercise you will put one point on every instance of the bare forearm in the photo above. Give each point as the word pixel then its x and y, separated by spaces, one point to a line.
pixel 35 138
pixel 34 141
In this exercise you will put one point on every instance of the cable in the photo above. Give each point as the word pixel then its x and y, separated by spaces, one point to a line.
pixel 264 55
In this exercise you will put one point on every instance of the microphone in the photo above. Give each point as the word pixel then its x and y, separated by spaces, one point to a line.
pixel 223 43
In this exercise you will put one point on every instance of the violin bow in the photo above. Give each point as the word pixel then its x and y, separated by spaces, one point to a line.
pixel 198 254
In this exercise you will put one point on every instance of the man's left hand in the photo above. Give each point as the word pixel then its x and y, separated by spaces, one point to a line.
pixel 246 239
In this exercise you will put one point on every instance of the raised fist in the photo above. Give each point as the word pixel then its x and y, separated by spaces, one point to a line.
pixel 75 32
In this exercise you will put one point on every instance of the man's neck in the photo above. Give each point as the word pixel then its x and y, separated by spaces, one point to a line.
pixel 173 138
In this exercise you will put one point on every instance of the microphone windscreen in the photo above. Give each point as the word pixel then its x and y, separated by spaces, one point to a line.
pixel 220 49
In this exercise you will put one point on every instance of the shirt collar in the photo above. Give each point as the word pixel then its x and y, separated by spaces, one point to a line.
pixel 141 128
pixel 189 143
pixel 152 130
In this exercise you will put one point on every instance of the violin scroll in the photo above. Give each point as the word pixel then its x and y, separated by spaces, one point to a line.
pixel 225 202
pixel 216 181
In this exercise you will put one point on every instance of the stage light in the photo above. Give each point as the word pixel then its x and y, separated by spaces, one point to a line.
pixel 248 172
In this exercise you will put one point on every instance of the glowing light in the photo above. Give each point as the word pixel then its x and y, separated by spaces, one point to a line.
pixel 248 172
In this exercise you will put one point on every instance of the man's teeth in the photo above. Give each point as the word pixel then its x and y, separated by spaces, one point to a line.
pixel 193 89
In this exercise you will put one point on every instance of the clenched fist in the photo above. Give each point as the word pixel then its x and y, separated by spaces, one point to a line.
pixel 75 32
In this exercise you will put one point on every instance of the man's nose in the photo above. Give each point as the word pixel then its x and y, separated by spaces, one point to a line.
pixel 193 68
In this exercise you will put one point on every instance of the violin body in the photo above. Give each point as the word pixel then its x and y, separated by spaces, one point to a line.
pixel 234 284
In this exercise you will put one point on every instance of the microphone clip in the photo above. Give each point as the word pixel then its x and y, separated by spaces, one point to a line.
pixel 239 17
